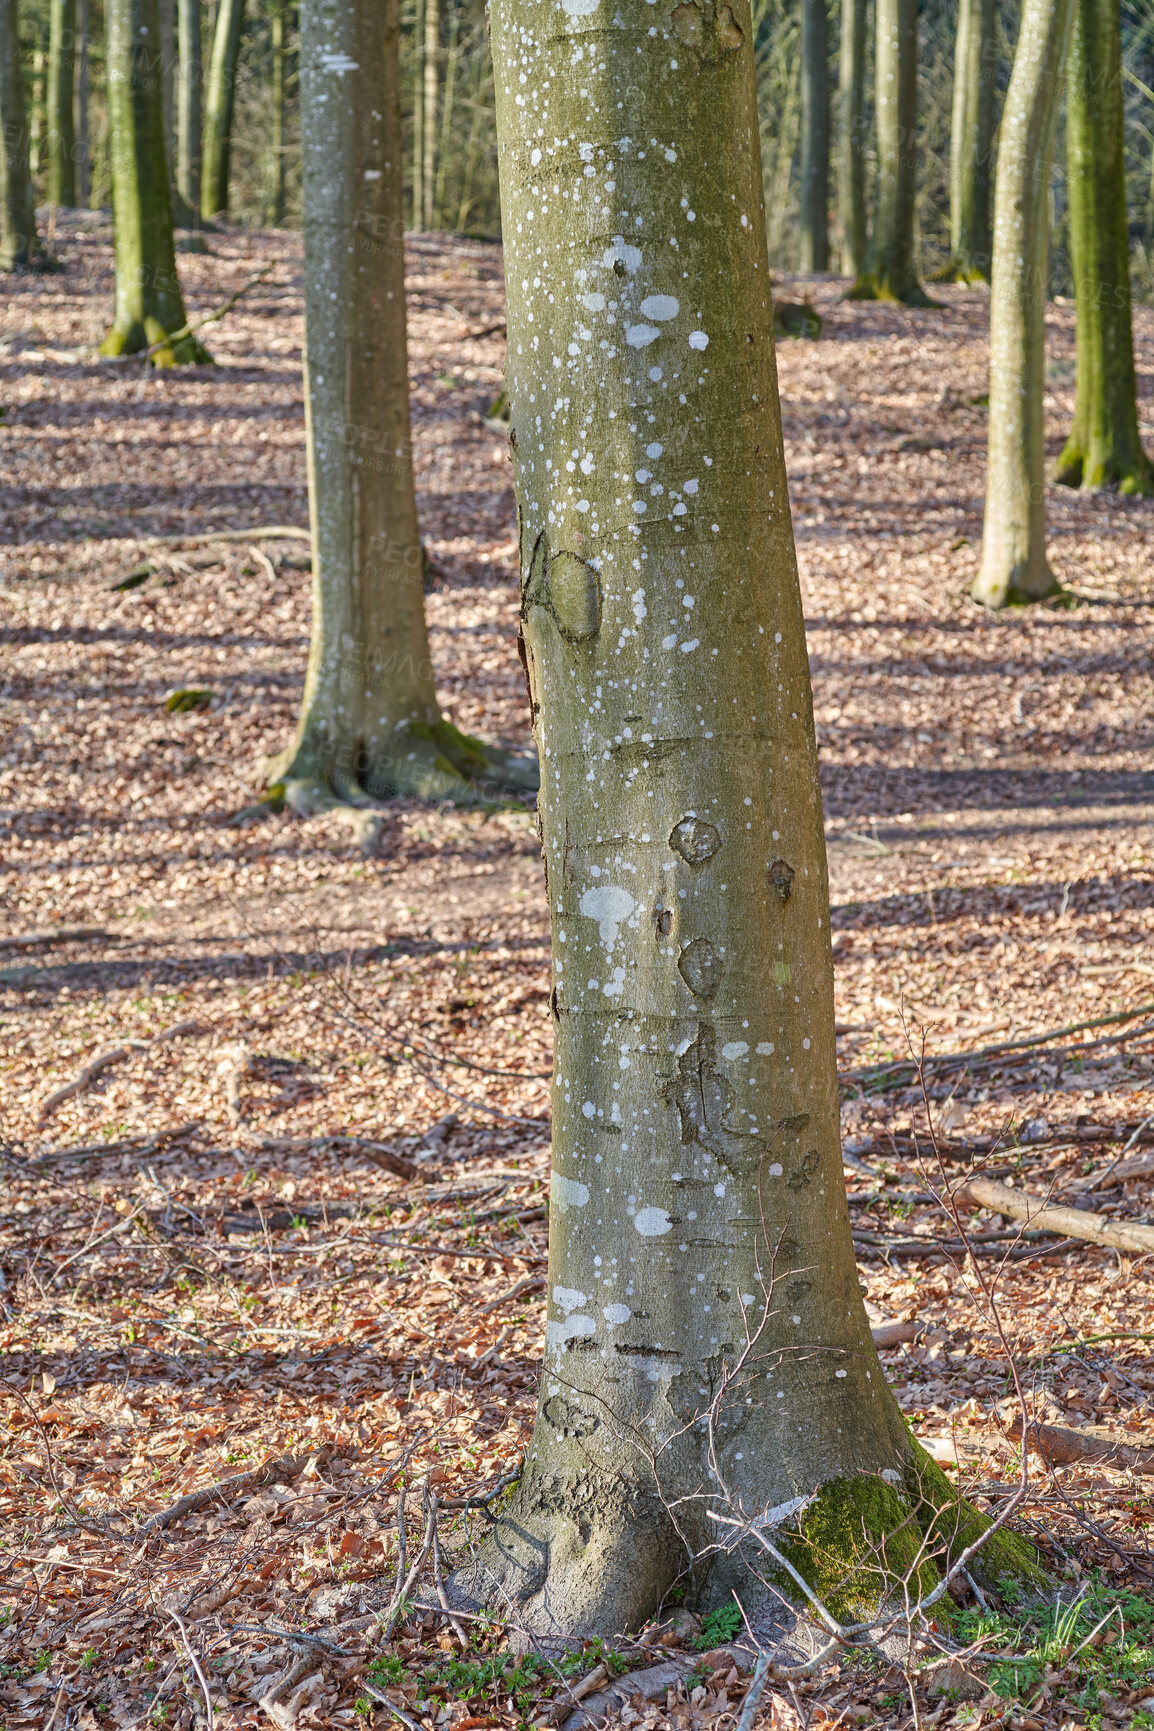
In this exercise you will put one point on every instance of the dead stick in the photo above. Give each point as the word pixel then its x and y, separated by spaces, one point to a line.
pixel 57 935
pixel 1059 1446
pixel 872 1072
pixel 193 325
pixel 1070 1222
pixel 280 1471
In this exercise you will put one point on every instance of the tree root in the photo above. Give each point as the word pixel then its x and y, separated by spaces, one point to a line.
pixel 1131 475
pixel 148 334
pixel 874 288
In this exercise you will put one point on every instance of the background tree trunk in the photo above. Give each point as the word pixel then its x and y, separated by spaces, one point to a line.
pixel 19 245
pixel 83 140
pixel 890 273
pixel 971 143
pixel 418 165
pixel 370 723
pixel 39 87
pixel 275 205
pixel 813 217
pixel 1014 565
pixel 851 136
pixel 429 151
pixel 183 215
pixel 149 304
pixel 220 100
pixel 706 1339
pixel 61 99
pixel 188 122
pixel 1104 448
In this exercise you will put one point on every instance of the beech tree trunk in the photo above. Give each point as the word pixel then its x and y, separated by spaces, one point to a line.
pixel 706 1345
pixel 83 140
pixel 1104 448
pixel 429 151
pixel 890 273
pixel 188 103
pixel 370 724
pixel 220 101
pixel 971 143
pixel 851 137
pixel 275 204
pixel 813 216
pixel 19 244
pixel 149 304
pixel 61 98
pixel 1014 566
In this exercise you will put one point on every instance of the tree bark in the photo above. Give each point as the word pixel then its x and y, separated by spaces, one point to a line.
pixel 370 724
pixel 813 216
pixel 19 243
pixel 851 136
pixel 220 101
pixel 706 1345
pixel 890 273
pixel 149 303
pixel 1104 448
pixel 61 102
pixel 188 103
pixel 83 140
pixel 429 152
pixel 1014 566
pixel 971 143
pixel 275 206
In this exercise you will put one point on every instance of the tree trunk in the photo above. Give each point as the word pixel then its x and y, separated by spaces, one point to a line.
pixel 890 273
pixel 183 215
pixel 188 104
pixel 1104 449
pixel 83 141
pixel 149 305
pixel 61 86
pixel 1014 565
pixel 220 100
pixel 429 153
pixel 275 207
pixel 971 143
pixel 370 724
pixel 813 216
pixel 19 244
pixel 39 83
pixel 706 1345
pixel 851 135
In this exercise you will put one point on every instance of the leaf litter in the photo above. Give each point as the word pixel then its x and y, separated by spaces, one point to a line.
pixel 288 1261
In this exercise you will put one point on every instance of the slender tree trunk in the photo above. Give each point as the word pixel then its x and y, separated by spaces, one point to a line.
pixel 83 141
pixel 706 1345
pixel 1014 565
pixel 813 216
pixel 220 100
pixel 971 143
pixel 418 194
pixel 429 153
pixel 275 206
pixel 1104 449
pixel 149 305
pixel 61 103
pixel 188 105
pixel 39 83
pixel 183 215
pixel 370 724
pixel 19 243
pixel 851 137
pixel 447 117
pixel 890 273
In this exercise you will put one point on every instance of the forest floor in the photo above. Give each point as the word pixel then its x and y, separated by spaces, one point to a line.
pixel 300 1211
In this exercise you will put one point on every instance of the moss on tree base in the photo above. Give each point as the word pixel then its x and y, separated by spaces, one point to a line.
pixel 141 334
pixel 1130 474
pixel 865 1543
pixel 875 288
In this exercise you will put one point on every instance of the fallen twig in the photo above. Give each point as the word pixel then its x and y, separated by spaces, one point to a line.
pixel 280 1471
pixel 952 1060
pixel 128 1145
pixel 56 935
pixel 1059 1446
pixel 190 328
pixel 370 1688
pixel 1073 1222
pixel 104 1061
pixel 196 1665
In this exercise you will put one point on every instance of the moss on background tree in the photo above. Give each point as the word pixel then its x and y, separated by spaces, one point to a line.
pixel 972 143
pixel 707 1351
pixel 219 108
pixel 1014 565
pixel 1104 448
pixel 370 724
pixel 61 98
pixel 149 304
pixel 851 137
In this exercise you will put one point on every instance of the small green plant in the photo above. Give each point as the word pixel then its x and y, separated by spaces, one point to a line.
pixel 90 1657
pixel 387 1668
pixel 719 1626
pixel 43 1660
pixel 363 1706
